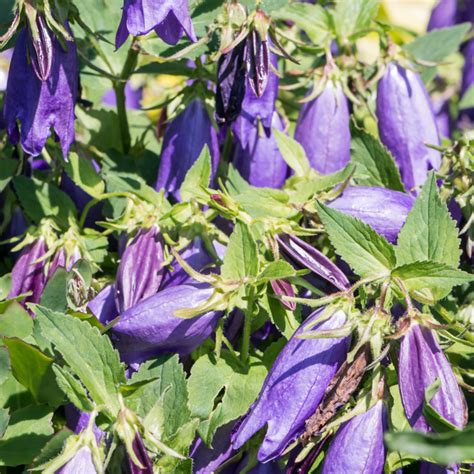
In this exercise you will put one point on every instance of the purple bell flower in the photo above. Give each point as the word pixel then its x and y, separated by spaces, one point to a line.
pixel 77 421
pixel 256 153
pixel 468 77
pixel 323 130
pixel 184 140
pixel 150 327
pixel 169 18
pixel 358 445
pixel 407 124
pixel 41 104
pixel 444 14
pixel 81 462
pixel 293 388
pixel 383 209
pixel 103 306
pixel 421 362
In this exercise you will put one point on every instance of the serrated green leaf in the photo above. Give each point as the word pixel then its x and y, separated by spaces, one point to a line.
pixel 54 295
pixel 74 390
pixel 351 16
pixel 431 281
pixel 276 270
pixel 82 172
pixel 429 232
pixel 89 354
pixel 241 258
pixel 197 177
pixel 15 321
pixel 265 202
pixel 292 152
pixel 375 164
pixel 368 253
pixel 53 447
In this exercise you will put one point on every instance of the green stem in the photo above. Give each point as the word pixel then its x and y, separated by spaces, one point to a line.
pixel 247 331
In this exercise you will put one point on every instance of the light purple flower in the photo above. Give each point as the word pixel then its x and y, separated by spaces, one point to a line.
pixel 184 141
pixel 443 14
pixel 293 388
pixel 385 210
pixel 169 18
pixel 467 115
pixel 41 104
pixel 81 462
pixel 421 362
pixel 407 124
pixel 323 130
pixel 358 445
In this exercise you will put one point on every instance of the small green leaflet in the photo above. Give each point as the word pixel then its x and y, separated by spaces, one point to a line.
pixel 368 253
pixel 293 153
pixel 197 177
pixel 89 354
pixel 431 281
pixel 350 16
pixel 375 164
pixel 276 270
pixel 241 258
pixel 73 389
pixel 429 232
pixel 82 172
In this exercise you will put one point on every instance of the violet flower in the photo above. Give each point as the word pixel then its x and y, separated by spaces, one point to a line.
pixel 294 388
pixel 169 18
pixel 430 468
pixel 41 104
pixel 421 362
pixel 256 154
pixel 467 115
pixel 385 210
pixel 142 455
pixel 81 462
pixel 323 130
pixel 308 257
pixel 443 14
pixel 184 141
pixel 358 445
pixel 150 327
pixel 407 124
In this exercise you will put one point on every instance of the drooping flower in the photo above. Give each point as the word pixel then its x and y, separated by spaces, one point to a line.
pixel 293 388
pixel 169 18
pixel 184 141
pixel 256 154
pixel 150 327
pixel 81 462
pixel 421 362
pixel 383 209
pixel 358 445
pixel 407 124
pixel 443 14
pixel 323 130
pixel 39 104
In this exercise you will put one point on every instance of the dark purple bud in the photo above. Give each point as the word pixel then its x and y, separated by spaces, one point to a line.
pixel 383 209
pixel 429 468
pixel 81 462
pixel 140 270
pixel 421 362
pixel 169 18
pixel 443 14
pixel 231 79
pixel 142 455
pixel 308 257
pixel 184 141
pixel 323 130
pixel 358 445
pixel 407 124
pixel 29 274
pixel 48 103
pixel 256 154
pixel 293 388
pixel 103 306
pixel 41 55
pixel 258 63
pixel 151 328
pixel 283 288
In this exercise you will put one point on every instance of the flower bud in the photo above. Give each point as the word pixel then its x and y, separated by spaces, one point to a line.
pixel 258 63
pixel 358 445
pixel 41 54
pixel 421 362
pixel 407 124
pixel 142 455
pixel 383 209
pixel 323 130
pixel 293 388
pixel 283 288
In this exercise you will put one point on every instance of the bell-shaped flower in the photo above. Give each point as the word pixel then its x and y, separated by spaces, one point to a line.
pixel 444 14
pixel 169 18
pixel 81 462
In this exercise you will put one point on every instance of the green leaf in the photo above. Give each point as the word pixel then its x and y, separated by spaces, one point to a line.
pixel 53 447
pixel 33 370
pixel 4 364
pixel 28 431
pixel 368 253
pixel 73 388
pixel 265 202
pixel 438 44
pixel 197 177
pixel 446 448
pixel 82 172
pixel 4 419
pixel 54 295
pixel 241 258
pixel 276 270
pixel 15 321
pixel 209 378
pixel 431 281
pixel 40 199
pixel 286 321
pixel 5 285
pixel 375 164
pixel 351 16
pixel 291 151
pixel 88 353
pixel 467 101
pixel 8 169
pixel 429 232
